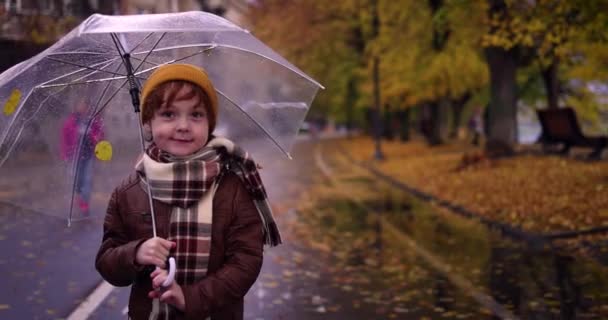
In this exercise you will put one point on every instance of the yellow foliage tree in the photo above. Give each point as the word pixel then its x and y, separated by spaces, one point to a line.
pixel 438 51
pixel 335 42
pixel 320 37
pixel 549 33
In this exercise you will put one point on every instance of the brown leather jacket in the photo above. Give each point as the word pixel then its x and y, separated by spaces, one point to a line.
pixel 235 258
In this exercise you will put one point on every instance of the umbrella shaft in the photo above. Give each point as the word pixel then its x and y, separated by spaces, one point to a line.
pixel 133 88
pixel 135 99
pixel 143 147
pixel 134 91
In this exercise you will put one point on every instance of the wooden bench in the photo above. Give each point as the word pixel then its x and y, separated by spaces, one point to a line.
pixel 560 126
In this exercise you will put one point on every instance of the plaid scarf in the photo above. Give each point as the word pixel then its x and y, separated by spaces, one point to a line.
pixel 191 217
pixel 182 181
pixel 188 185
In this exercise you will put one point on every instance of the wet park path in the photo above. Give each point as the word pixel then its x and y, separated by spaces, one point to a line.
pixel 355 248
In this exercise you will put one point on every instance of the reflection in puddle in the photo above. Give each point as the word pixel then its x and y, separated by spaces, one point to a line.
pixel 530 282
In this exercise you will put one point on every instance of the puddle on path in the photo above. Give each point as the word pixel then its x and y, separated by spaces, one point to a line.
pixel 532 283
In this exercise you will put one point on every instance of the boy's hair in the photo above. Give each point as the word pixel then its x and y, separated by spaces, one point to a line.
pixel 169 90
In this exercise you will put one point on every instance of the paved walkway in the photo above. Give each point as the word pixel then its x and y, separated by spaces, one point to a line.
pixel 435 265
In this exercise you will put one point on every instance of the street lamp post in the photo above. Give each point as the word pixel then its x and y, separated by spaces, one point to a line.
pixel 376 79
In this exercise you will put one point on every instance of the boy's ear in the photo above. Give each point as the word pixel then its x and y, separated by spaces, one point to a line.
pixel 147 130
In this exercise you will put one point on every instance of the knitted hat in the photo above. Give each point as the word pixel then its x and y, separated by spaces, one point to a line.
pixel 184 72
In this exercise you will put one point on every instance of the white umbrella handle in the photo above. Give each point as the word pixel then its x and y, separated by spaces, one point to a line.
pixel 169 280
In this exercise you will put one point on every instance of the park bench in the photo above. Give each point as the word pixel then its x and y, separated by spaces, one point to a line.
pixel 560 126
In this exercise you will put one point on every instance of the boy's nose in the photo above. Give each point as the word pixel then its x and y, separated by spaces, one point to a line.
pixel 182 124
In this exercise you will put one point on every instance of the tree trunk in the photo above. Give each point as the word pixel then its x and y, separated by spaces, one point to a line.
pixel 551 81
pixel 404 124
pixel 351 92
pixel 106 7
pixel 502 111
pixel 439 111
pixel 58 7
pixel 376 78
pixel 86 9
pixel 378 119
pixel 388 123
pixel 432 127
pixel 457 108
pixel 424 120
pixel 457 117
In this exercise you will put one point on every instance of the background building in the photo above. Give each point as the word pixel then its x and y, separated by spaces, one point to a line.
pixel 29 26
pixel 232 10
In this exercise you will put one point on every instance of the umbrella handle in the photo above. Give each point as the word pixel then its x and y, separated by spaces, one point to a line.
pixel 169 280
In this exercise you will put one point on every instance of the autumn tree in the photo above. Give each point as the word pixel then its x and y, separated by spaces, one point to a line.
pixel 323 38
pixel 548 33
pixel 436 53
pixel 432 58
pixel 587 92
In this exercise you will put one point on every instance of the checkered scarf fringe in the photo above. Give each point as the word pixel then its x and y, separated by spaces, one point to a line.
pixel 194 175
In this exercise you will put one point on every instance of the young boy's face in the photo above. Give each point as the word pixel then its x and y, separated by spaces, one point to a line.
pixel 181 126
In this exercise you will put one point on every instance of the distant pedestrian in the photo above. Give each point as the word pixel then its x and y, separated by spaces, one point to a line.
pixel 475 125
pixel 73 132
pixel 211 209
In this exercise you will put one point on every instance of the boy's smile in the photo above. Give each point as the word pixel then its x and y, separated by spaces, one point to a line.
pixel 181 126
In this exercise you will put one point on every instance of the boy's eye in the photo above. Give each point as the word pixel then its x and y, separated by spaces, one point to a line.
pixel 198 114
pixel 167 114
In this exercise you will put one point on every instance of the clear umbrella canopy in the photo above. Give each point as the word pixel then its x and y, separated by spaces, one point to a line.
pixel 263 101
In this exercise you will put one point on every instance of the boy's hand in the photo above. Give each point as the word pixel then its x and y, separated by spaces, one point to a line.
pixel 172 295
pixel 154 251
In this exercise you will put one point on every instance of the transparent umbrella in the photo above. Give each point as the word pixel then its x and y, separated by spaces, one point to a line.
pixel 69 111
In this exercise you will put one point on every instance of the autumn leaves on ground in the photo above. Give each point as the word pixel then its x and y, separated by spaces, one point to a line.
pixel 364 227
pixel 540 193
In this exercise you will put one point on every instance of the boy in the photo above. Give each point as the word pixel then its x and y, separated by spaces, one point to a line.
pixel 210 208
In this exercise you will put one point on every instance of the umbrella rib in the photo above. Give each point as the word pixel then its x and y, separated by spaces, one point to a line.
pixel 78 52
pixel 171 61
pixel 143 40
pixel 211 45
pixel 84 82
pixel 231 101
pixel 132 83
pixel 46 85
pixel 118 47
pixel 82 66
pixel 103 44
pixel 227 98
pixel 110 99
pixel 12 123
pixel 214 45
pixel 74 72
pixel 103 65
pixel 299 73
pixel 149 52
pixel 10 147
pixel 93 72
pixel 117 44
pixel 97 112
pixel 39 87
pixel 80 142
pixel 254 121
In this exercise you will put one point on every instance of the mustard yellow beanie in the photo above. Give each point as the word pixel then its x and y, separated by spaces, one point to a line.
pixel 184 72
